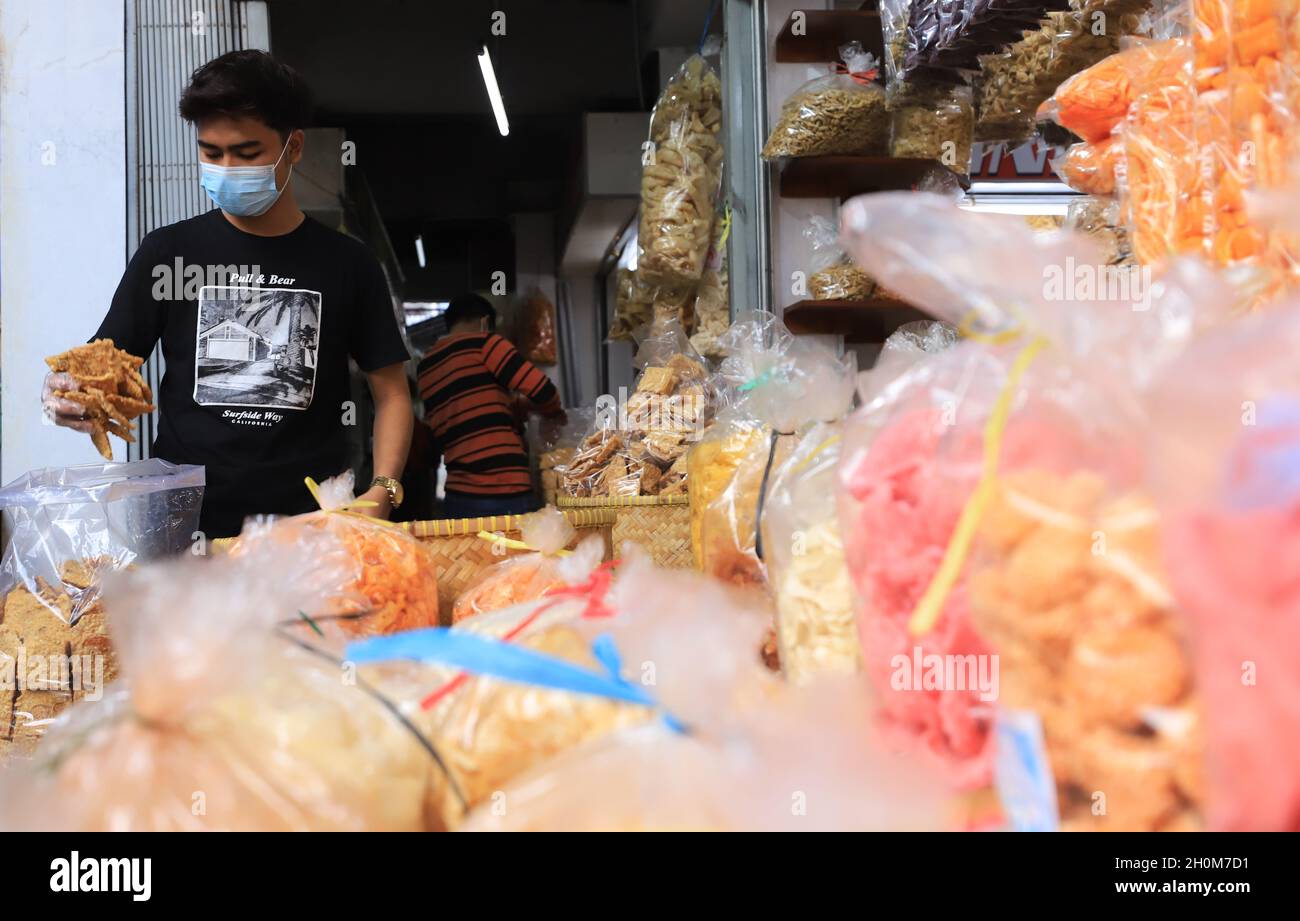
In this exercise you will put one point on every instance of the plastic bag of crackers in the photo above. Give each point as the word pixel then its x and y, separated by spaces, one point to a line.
pixel 680 177
pixel 390 580
pixel 1044 394
pixel 220 723
pixel 638 447
pixel 530 576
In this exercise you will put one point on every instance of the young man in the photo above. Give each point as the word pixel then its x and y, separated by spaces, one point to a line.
pixel 258 309
pixel 467 380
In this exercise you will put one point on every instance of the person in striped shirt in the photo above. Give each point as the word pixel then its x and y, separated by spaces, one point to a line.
pixel 468 381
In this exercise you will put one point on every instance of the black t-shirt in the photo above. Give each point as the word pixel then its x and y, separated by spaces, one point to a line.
pixel 256 334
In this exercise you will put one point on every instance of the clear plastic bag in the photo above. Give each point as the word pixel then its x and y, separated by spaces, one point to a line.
pixel 1091 168
pixel 537 336
pixel 68 525
pixel 934 122
pixel 1099 218
pixel 633 306
pixel 651 779
pixel 1224 475
pixel 222 723
pixel 680 177
pixel 712 304
pixel 844 113
pixel 834 276
pixel 749 739
pixel 792 383
pixel 804 552
pixel 639 447
pixel 530 576
pixel 956 491
pixel 392 582
pixel 1094 101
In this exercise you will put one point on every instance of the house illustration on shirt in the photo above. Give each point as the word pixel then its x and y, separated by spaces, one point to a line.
pixel 232 341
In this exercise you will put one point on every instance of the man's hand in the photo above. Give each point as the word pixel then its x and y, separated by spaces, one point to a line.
pixel 382 508
pixel 60 411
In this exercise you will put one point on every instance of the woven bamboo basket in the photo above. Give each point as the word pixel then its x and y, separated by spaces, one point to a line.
pixel 660 524
pixel 462 555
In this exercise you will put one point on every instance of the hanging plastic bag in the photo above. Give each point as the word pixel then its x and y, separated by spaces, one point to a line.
pixel 1224 473
pixel 844 113
pixel 1098 218
pixel 834 276
pixel 1094 101
pixel 392 581
pixel 681 174
pixel 69 525
pixel 537 322
pixel 222 723
pixel 633 306
pixel 712 304
pixel 530 576
pixel 1041 392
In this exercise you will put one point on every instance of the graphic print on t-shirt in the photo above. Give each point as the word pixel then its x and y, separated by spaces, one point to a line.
pixel 256 347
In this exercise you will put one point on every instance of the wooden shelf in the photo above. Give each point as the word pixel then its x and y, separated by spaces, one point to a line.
pixel 823 33
pixel 844 177
pixel 857 321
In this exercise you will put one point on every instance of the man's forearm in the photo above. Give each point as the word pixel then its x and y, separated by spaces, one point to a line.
pixel 393 425
pixel 394 420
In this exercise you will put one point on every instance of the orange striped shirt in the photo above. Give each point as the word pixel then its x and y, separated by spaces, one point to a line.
pixel 466 381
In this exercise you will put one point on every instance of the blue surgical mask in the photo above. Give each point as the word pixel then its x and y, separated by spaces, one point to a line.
pixel 244 191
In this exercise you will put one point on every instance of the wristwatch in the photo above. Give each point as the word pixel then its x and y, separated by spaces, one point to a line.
pixel 392 487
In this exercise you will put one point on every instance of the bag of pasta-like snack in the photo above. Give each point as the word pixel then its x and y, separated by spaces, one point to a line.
pixel 843 113
pixel 680 177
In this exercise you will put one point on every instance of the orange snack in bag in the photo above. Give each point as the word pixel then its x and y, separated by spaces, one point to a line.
pixel 1094 101
pixel 1090 168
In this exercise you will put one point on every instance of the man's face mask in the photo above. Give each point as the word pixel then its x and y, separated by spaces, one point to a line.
pixel 244 191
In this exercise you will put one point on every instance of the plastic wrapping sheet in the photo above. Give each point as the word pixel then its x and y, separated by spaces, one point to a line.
pixel 98 517
pixel 681 176
pixel 844 113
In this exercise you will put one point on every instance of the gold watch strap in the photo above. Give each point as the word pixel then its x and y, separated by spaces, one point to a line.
pixel 392 486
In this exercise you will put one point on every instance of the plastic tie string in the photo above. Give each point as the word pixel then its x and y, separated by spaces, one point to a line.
pixel 500 659
pixel 348 508
pixel 930 607
pixel 594 590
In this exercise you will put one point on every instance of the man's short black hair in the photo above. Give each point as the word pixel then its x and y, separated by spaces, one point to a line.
pixel 469 306
pixel 248 83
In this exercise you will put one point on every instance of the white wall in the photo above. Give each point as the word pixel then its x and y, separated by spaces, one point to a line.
pixel 62 206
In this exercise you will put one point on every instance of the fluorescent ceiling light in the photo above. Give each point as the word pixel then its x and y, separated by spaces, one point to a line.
pixel 493 91
pixel 419 248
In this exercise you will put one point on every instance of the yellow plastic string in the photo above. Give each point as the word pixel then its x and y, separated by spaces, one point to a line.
pixel 812 456
pixel 347 508
pixel 515 544
pixel 726 227
pixel 936 594
pixel 968 331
